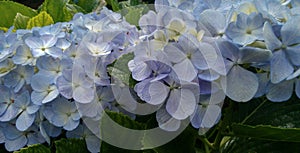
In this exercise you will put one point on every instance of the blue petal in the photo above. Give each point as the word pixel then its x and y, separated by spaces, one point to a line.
pixel 24 121
pixel 263 79
pixel 214 21
pixel 54 52
pixel 281 91
pixel 181 103
pixel 157 91
pixel 22 100
pixel 185 70
pixel 16 144
pixel 254 55
pixel 64 87
pixel 206 58
pixel 38 97
pixel 71 124
pixel 48 40
pixel 10 113
pixel 141 71
pixel 174 54
pixel 12 133
pixel 297 88
pixel 51 95
pixel 31 109
pixel 166 121
pixel 240 85
pixel 34 42
pixel 271 40
pixel 290 33
pixel 206 117
pixel 293 54
pixel 280 68
pixel 93 144
pixel 228 50
pixel 40 83
pixel 83 95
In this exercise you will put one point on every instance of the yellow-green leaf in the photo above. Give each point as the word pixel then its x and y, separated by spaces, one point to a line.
pixel 3 29
pixel 42 19
pixel 20 21
pixel 55 8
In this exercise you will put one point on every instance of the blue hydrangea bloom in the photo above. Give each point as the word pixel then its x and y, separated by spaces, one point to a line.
pixel 240 84
pixel 15 139
pixel 44 89
pixel 23 56
pixel 246 29
pixel 19 77
pixel 285 50
pixel 43 45
pixel 62 113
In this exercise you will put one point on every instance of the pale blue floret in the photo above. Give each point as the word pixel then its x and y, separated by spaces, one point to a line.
pixel 246 29
pixel 240 84
pixel 43 45
pixel 286 52
pixel 19 77
pixel 62 113
pixel 23 56
pixel 44 89
pixel 15 139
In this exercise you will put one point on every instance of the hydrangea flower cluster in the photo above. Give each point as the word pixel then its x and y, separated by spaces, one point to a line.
pixel 188 56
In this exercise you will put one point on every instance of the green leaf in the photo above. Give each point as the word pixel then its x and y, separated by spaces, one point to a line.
pixel 264 126
pixel 133 14
pixel 20 21
pixel 134 2
pixel 267 132
pixel 54 8
pixel 184 143
pixel 242 145
pixel 119 70
pixel 9 11
pixel 70 145
pixel 286 114
pixel 88 5
pixel 36 148
pixel 123 121
pixel 42 19
pixel 4 29
pixel 70 10
pixel 114 4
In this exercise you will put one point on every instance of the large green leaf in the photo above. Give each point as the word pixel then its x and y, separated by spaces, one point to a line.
pixel 267 132
pixel 20 21
pixel 184 143
pixel 119 70
pixel 114 4
pixel 264 126
pixel 88 5
pixel 246 145
pixel 9 11
pixel 134 14
pixel 286 114
pixel 70 145
pixel 70 9
pixel 36 148
pixel 55 9
pixel 42 19
pixel 124 121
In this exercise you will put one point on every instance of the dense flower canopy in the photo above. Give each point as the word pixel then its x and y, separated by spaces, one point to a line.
pixel 188 56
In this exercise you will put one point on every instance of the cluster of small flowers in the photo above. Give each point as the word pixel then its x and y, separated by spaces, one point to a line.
pixel 188 56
